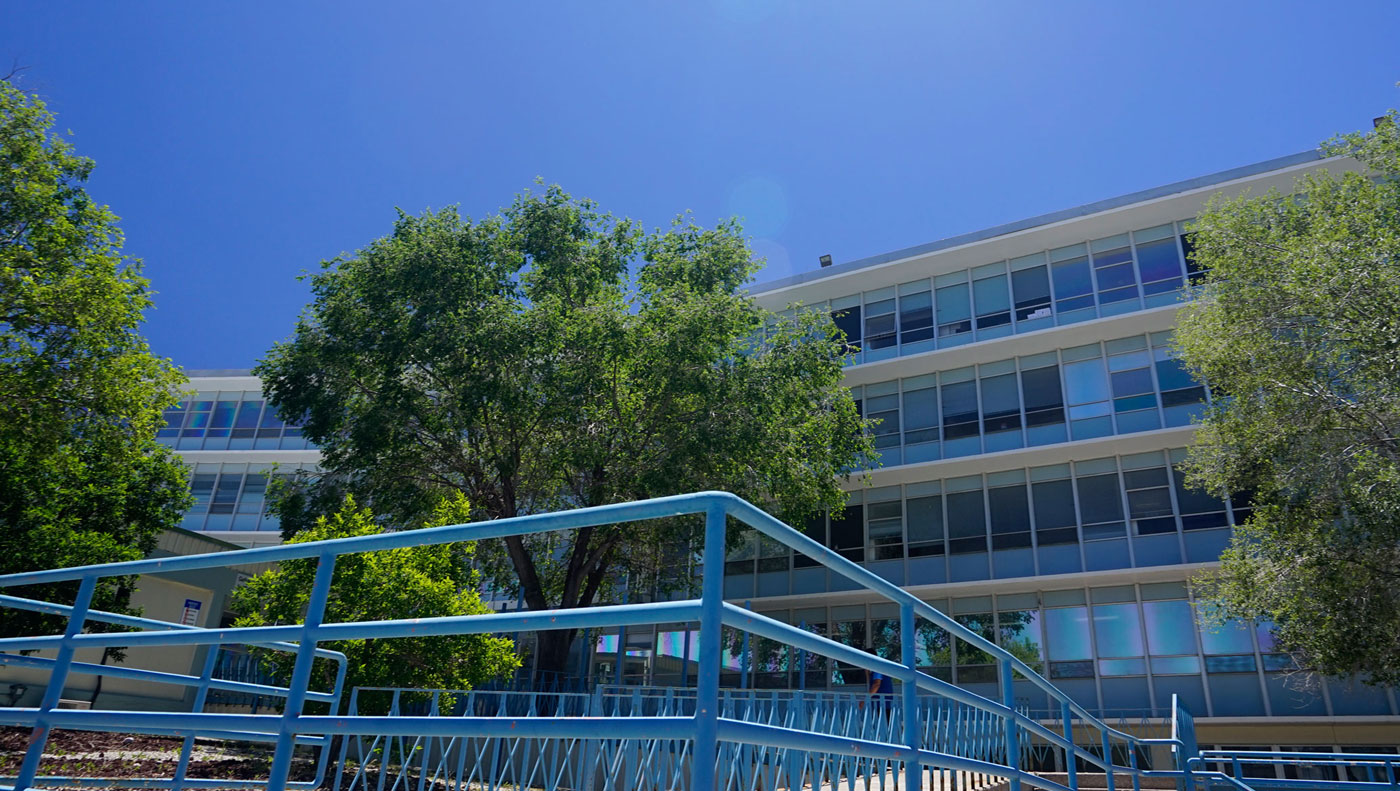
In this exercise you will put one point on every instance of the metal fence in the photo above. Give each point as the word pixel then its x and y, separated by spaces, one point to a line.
pixel 930 733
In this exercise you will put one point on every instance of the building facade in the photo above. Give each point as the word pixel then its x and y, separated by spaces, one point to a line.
pixel 1032 419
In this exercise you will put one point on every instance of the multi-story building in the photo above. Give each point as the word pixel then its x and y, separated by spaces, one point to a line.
pixel 1032 419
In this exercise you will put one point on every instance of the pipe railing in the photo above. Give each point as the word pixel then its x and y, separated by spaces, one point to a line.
pixel 706 728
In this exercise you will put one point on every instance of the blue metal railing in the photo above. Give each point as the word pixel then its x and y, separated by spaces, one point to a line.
pixel 716 741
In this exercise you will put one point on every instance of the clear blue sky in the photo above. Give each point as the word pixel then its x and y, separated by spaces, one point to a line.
pixel 242 143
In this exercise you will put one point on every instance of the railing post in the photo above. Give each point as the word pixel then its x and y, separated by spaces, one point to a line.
pixel 909 697
pixel 1107 758
pixel 706 749
pixel 1067 714
pixel 1133 764
pixel 301 673
pixel 39 737
pixel 177 781
pixel 1008 699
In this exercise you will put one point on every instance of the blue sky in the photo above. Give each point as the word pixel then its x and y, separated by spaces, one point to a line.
pixel 242 143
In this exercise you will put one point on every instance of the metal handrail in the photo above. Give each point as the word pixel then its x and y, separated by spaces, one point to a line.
pixel 705 729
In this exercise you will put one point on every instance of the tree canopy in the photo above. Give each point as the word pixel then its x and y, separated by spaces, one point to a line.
pixel 82 479
pixel 412 582
pixel 556 357
pixel 1297 333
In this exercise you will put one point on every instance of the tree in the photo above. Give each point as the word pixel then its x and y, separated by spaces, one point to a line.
pixel 82 479
pixel 412 582
pixel 1297 333
pixel 555 357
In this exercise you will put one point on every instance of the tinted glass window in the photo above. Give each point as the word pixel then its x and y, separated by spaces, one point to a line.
pixel 967 526
pixel 1001 403
pixel 1031 288
pixel 1118 630
pixel 1159 261
pixel 1067 632
pixel 993 301
pixel 879 324
pixel 916 317
pixel 848 532
pixel 921 415
pixel 1171 629
pixel 1099 498
pixel 925 525
pixel 1044 401
pixel 959 410
pixel 848 321
pixel 1086 382
pixel 954 310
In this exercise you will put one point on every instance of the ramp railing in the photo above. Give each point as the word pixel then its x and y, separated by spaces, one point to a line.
pixel 703 740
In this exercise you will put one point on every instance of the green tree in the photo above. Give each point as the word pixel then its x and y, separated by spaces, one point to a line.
pixel 1297 332
pixel 413 582
pixel 82 479
pixel 555 357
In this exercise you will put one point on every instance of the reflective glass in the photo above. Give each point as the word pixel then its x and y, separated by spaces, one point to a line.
pixel 1018 631
pixel 1159 260
pixel 1128 383
pixel 921 415
pixel 916 317
pixel 885 410
pixel 226 493
pixel 934 647
pixel 967 526
pixel 1067 633
pixel 954 310
pixel 1176 665
pixel 254 492
pixel 959 410
pixel 202 487
pixel 1044 401
pixel 1085 382
pixel 1001 403
pixel 1054 504
pixel 248 413
pixel 848 321
pixel 1031 288
pixel 880 324
pixel 1072 279
pixel 1118 630
pixel 1008 509
pixel 1232 638
pixel 886 530
pixel 848 532
pixel 1122 667
pixel 980 624
pixel 1171 627
pixel 993 301
pixel 925 525
pixel 1099 498
pixel 1194 501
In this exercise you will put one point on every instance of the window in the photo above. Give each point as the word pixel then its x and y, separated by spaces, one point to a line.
pixel 1171 628
pixel 1011 518
pixel 1159 263
pixel 848 533
pixel 1149 500
pixel 993 301
pixel 1031 288
pixel 1200 510
pixel 1100 506
pixel 1118 630
pixel 880 324
pixel 1001 404
pixel 975 665
pixel 1018 631
pixel 847 320
pixel 815 529
pixel 739 558
pixel 921 415
pixel 884 409
pixel 954 310
pixel 1054 512
pixel 967 523
pixel 959 410
pixel 1195 273
pixel 1134 394
pixel 1045 404
pixel 1074 287
pixel 772 554
pixel 1086 383
pixel 925 526
pixel 886 530
pixel 1067 642
pixel 1113 269
pixel 916 317
pixel 1177 385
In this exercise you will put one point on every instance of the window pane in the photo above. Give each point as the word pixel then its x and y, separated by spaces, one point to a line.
pixel 1032 290
pixel 1086 382
pixel 1054 504
pixel 966 516
pixel 1171 627
pixel 886 530
pixel 993 301
pixel 879 324
pixel 925 518
pixel 959 410
pixel 921 415
pixel 1099 498
pixel 1147 503
pixel 848 321
pixel 1194 501
pixel 1073 284
pixel 1001 403
pixel 954 310
pixel 1018 631
pixel 916 317
pixel 1010 514
pixel 980 624
pixel 884 409
pixel 1158 260
pixel 1129 383
pixel 1067 632
pixel 1044 401
pixel 1232 638
pixel 1118 630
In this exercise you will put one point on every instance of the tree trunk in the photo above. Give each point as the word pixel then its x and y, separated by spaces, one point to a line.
pixel 553 664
